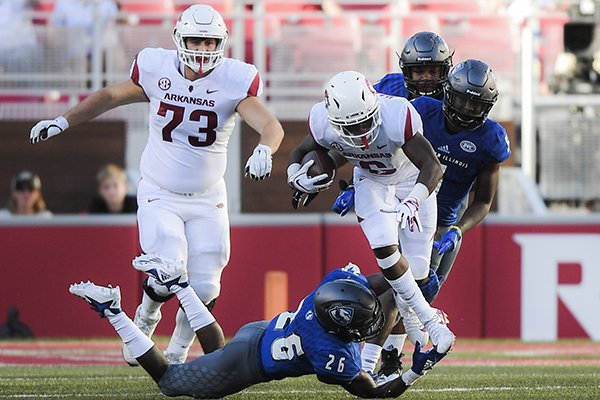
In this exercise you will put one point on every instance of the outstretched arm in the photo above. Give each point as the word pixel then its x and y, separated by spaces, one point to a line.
pixel 105 99
pixel 364 386
pixel 97 103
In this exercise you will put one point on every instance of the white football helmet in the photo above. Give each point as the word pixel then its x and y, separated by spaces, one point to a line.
pixel 202 21
pixel 353 108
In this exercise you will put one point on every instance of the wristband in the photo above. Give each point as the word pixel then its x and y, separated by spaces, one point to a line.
pixel 409 377
pixel 419 192
pixel 62 122
pixel 264 147
pixel 456 228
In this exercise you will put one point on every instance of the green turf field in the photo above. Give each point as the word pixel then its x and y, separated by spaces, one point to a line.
pixel 474 370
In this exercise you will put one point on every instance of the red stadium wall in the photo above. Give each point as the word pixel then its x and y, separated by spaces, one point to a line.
pixel 534 281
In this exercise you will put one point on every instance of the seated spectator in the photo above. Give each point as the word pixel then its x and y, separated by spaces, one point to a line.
pixel 112 195
pixel 20 51
pixel 26 196
pixel 79 17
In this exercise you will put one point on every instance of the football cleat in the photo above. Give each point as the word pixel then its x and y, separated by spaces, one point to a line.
pixel 102 299
pixel 391 366
pixel 167 272
pixel 147 326
pixel 414 329
pixel 176 358
pixel 441 336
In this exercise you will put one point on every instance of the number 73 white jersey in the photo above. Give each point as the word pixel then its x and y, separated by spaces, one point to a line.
pixel 190 122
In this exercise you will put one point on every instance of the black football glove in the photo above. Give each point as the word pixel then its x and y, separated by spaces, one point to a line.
pixel 303 198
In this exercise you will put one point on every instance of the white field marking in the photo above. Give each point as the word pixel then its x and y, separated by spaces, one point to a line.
pixel 498 388
pixel 83 378
pixel 457 389
pixel 320 392
pixel 71 395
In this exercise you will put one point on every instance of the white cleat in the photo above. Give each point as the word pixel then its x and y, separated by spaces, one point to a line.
pixel 176 358
pixel 147 326
pixel 167 272
pixel 441 335
pixel 104 300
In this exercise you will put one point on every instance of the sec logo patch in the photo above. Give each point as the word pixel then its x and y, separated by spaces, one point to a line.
pixel 164 83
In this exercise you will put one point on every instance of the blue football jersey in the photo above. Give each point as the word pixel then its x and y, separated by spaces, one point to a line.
pixel 295 344
pixel 462 155
pixel 393 85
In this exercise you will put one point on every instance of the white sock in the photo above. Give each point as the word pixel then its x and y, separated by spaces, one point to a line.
pixel 408 290
pixel 409 377
pixel 369 356
pixel 150 308
pixel 395 341
pixel 183 335
pixel 196 311
pixel 137 343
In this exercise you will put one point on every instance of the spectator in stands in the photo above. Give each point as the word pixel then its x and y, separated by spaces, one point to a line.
pixel 20 51
pixel 112 195
pixel 80 16
pixel 26 196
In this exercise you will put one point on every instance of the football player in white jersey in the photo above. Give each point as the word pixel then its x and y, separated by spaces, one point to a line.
pixel 395 172
pixel 193 93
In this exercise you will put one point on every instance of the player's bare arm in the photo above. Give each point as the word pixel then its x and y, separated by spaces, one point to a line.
pixel 96 104
pixel 419 152
pixel 363 386
pixel 105 99
pixel 485 188
pixel 262 121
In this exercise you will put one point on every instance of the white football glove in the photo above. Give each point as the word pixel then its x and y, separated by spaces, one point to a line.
pixel 299 179
pixel 44 130
pixel 260 163
pixel 407 213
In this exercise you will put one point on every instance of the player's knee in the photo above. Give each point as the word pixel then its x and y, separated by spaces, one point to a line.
pixel 388 257
pixel 419 266
pixel 170 383
pixel 207 291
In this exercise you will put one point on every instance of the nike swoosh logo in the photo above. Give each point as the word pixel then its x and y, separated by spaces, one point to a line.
pixel 381 147
pixel 211 91
pixel 151 200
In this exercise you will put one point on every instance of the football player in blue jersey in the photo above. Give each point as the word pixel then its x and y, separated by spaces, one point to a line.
pixel 425 62
pixel 321 337
pixel 470 147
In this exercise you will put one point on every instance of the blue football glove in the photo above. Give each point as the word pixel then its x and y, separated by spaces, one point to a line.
pixel 449 240
pixel 432 287
pixel 423 362
pixel 345 200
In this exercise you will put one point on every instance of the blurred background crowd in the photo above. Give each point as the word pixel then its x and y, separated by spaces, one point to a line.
pixel 544 53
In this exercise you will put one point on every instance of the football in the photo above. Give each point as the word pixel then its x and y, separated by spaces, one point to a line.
pixel 323 164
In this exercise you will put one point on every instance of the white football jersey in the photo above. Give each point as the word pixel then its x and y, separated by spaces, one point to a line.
pixel 190 122
pixel 383 161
